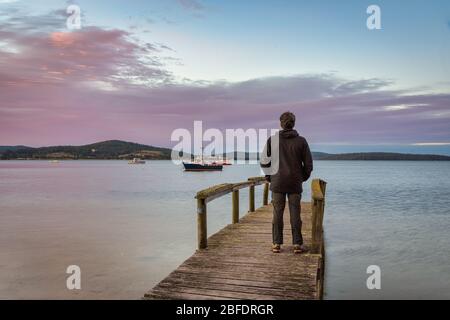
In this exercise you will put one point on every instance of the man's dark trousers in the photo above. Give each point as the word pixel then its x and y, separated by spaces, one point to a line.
pixel 279 203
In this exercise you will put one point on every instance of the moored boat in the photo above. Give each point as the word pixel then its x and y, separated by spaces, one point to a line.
pixel 200 164
pixel 194 166
pixel 136 161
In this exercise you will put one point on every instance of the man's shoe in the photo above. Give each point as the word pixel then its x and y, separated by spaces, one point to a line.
pixel 276 248
pixel 298 249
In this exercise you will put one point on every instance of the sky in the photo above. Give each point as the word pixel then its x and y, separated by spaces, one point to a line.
pixel 137 70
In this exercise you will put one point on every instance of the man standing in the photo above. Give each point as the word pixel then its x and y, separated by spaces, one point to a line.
pixel 294 166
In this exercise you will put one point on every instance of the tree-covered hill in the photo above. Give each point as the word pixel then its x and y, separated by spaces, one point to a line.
pixel 116 149
pixel 113 149
pixel 386 156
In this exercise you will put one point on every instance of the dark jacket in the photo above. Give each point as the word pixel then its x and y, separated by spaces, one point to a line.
pixel 295 163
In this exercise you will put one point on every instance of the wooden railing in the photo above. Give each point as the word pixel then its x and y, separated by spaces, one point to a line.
pixel 203 197
pixel 207 195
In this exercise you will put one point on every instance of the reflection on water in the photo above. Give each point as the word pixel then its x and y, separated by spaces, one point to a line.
pixel 128 226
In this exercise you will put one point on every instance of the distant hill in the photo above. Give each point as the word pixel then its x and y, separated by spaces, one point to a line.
pixel 116 149
pixel 12 148
pixel 386 156
pixel 113 149
pixel 253 155
pixel 320 155
pixel 372 156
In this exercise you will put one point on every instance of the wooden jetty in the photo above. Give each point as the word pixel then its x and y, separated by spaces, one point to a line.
pixel 237 262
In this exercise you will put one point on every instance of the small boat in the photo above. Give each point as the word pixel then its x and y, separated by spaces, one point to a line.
pixel 201 165
pixel 54 161
pixel 195 166
pixel 136 161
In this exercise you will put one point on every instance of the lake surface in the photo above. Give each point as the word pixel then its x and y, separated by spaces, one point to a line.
pixel 127 227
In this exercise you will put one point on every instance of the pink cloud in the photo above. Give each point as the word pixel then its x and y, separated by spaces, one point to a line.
pixel 60 87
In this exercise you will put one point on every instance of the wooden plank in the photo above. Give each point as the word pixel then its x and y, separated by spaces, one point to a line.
pixel 252 280
pixel 236 289
pixel 171 293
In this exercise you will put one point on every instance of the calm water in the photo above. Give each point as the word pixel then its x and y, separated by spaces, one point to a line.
pixel 128 226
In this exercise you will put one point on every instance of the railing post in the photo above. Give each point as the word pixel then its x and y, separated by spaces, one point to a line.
pixel 251 198
pixel 201 224
pixel 266 194
pixel 235 213
pixel 323 187
pixel 317 208
pixel 317 218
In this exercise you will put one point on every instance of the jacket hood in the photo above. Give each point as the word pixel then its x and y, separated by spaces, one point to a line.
pixel 288 134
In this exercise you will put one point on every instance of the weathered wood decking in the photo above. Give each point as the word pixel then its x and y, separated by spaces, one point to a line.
pixel 238 264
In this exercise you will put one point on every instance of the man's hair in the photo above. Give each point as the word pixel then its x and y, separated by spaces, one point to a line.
pixel 287 120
